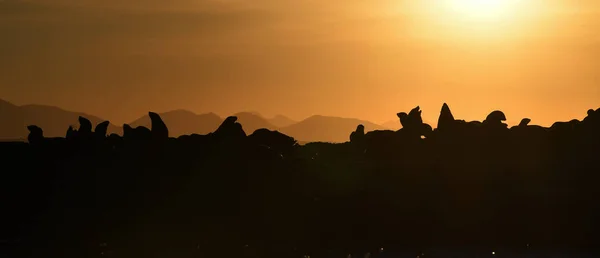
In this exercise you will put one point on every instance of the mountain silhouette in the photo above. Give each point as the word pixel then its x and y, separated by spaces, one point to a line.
pixel 251 121
pixel 326 129
pixel 281 121
pixel 184 122
pixel 55 121
pixel 15 119
pixel 10 121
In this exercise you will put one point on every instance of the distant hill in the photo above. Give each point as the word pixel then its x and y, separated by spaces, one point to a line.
pixel 251 121
pixel 281 121
pixel 53 120
pixel 326 129
pixel 183 122
pixel 11 121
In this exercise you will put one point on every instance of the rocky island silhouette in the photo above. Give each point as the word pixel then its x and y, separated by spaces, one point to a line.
pixel 471 186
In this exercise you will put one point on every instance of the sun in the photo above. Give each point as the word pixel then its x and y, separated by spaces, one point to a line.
pixel 470 22
pixel 479 10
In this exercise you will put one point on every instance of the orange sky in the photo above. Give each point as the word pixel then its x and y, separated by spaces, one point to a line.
pixel 365 59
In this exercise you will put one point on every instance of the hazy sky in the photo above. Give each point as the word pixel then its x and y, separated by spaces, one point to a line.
pixel 366 59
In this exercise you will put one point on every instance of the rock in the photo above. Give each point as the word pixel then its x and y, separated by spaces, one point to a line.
pixel 412 120
pixel 85 126
pixel 496 117
pixel 71 133
pixel 159 128
pixel 275 140
pixel 404 120
pixel 524 122
pixel 36 134
pixel 358 135
pixel 415 116
pixel 446 119
pixel 230 129
pixel 101 129
pixel 128 132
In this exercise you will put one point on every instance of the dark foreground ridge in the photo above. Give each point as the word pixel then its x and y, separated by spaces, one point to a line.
pixel 465 185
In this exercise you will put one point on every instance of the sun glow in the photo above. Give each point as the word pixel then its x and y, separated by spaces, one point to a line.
pixel 480 10
pixel 495 20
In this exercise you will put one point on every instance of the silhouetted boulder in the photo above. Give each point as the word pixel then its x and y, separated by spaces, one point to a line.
pixel 230 129
pixel 524 122
pixel 593 118
pixel 381 136
pixel 496 117
pixel 36 134
pixel 495 120
pixel 227 123
pixel 127 131
pixel 404 120
pixel 358 136
pixel 137 134
pixel 274 139
pixel 159 128
pixel 412 124
pixel 415 115
pixel 564 127
pixel 71 133
pixel 101 129
pixel 412 119
pixel 85 126
pixel 446 119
